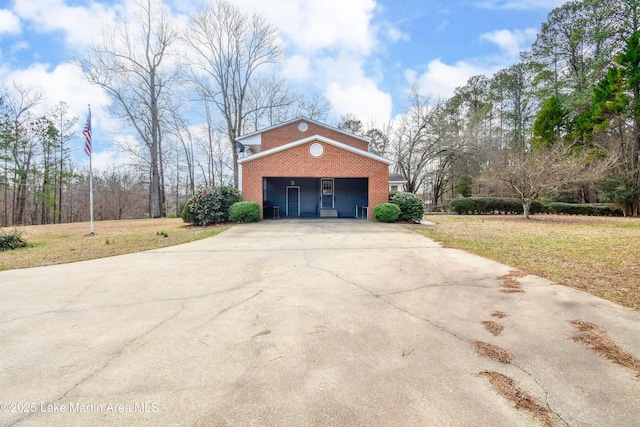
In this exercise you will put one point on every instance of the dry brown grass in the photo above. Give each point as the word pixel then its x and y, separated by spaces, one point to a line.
pixel 597 339
pixel 494 327
pixel 595 254
pixel 493 352
pixel 499 314
pixel 508 389
pixel 62 243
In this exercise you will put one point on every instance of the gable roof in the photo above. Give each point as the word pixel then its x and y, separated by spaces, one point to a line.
pixel 316 138
pixel 396 178
pixel 297 119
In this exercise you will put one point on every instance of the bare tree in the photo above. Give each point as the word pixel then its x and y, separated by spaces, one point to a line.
pixel 417 142
pixel 529 175
pixel 131 63
pixel 269 103
pixel 230 47
pixel 313 106
pixel 215 154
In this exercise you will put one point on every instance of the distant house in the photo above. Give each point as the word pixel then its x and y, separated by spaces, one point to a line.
pixel 304 168
pixel 396 183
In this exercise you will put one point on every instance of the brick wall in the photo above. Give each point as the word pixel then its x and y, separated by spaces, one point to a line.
pixel 289 133
pixel 297 162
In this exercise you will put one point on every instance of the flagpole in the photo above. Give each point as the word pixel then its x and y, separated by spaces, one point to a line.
pixel 88 149
pixel 91 193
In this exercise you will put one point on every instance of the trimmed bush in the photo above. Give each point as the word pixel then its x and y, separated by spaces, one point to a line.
pixel 210 205
pixel 386 212
pixel 582 209
pixel 411 206
pixel 10 240
pixel 186 214
pixel 244 212
pixel 493 205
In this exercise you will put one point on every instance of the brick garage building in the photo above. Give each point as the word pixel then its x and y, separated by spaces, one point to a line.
pixel 303 168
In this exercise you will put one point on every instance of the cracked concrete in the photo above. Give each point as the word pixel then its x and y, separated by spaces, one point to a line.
pixel 301 323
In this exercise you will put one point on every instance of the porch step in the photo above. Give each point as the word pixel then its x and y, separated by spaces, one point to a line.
pixel 328 213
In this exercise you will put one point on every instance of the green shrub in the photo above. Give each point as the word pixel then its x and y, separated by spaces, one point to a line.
pixel 411 206
pixel 493 205
pixel 386 212
pixel 582 209
pixel 186 214
pixel 11 239
pixel 210 205
pixel 244 212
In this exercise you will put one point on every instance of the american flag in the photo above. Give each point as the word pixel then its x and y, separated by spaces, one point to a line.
pixel 87 135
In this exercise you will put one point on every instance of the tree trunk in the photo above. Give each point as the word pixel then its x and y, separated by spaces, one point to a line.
pixel 635 164
pixel 526 208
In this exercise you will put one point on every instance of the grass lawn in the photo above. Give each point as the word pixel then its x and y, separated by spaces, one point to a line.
pixel 595 254
pixel 62 243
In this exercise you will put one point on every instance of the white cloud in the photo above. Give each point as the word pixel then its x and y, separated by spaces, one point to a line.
pixel 312 25
pixel 63 83
pixel 441 79
pixel 512 42
pixel 520 4
pixel 16 47
pixel 363 99
pixel 9 23
pixel 395 34
pixel 79 23
pixel 102 159
pixel 297 67
pixel 327 45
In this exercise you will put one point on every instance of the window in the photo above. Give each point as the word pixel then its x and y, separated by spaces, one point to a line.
pixel 327 188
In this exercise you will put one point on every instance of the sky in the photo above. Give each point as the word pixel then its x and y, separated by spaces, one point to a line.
pixel 362 55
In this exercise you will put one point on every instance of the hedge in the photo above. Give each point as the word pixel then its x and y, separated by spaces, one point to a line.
pixel 582 209
pixel 501 205
pixel 493 205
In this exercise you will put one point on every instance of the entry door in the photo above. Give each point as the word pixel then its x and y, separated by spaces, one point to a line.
pixel 293 201
pixel 327 193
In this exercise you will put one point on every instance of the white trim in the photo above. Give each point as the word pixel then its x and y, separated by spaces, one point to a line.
pixel 240 177
pixel 333 193
pixel 316 149
pixel 254 139
pixel 302 118
pixel 287 198
pixel 316 138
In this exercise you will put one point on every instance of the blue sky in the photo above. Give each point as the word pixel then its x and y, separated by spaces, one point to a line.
pixel 361 54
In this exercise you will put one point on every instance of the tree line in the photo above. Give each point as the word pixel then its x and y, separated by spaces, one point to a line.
pixel 562 123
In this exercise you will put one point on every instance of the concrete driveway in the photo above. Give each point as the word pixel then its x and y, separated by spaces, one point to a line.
pixel 294 323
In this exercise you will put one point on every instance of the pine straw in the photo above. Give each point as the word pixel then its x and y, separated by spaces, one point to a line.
pixel 494 327
pixel 493 352
pixel 510 283
pixel 508 389
pixel 597 339
pixel 499 314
